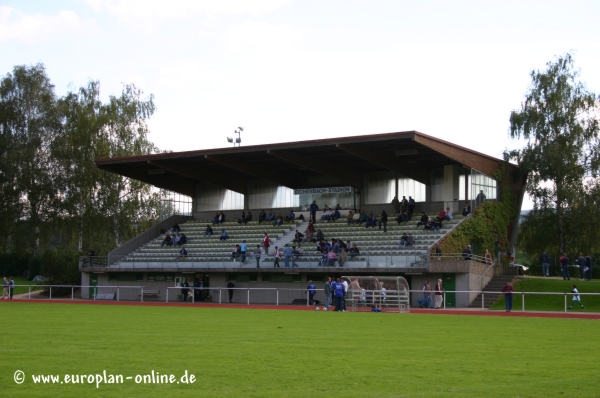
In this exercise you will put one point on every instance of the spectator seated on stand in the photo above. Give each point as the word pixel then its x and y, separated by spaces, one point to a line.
pixel 182 240
pixel 262 217
pixel 371 221
pixel 403 240
pixel 437 223
pixel 354 251
pixel 248 217
pixel 242 219
pixel 349 217
pixel 278 220
pixel 182 253
pixel 449 216
pixel 466 210
pixel 328 215
pixel 224 235
pixel 323 260
pixel 362 218
pixel 399 217
pixel 298 236
pixel 411 240
pixel 424 219
pixel 290 217
pixel 166 241
pixel 336 245
pixel 429 225
pixel 270 216
pixel 442 214
pixel 219 218
pixel 175 240
pixel 331 257
pixel 336 214
pixel 356 217
pixel 175 228
pixel 320 235
pixel 208 231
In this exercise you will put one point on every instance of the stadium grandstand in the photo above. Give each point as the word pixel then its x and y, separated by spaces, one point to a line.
pixel 349 174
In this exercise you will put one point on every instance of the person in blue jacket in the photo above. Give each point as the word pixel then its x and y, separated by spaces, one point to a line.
pixel 311 292
pixel 338 294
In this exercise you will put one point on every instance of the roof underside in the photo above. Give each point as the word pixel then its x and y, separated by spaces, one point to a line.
pixel 342 161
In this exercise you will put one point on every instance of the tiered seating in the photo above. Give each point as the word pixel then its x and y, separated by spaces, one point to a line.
pixel 201 248
pixel 376 247
pixel 376 244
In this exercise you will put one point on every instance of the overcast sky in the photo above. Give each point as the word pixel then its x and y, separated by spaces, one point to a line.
pixel 294 70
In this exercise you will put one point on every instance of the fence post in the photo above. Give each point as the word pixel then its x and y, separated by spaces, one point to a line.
pixel 277 299
pixel 565 302
pixel 444 299
pixel 523 301
pixel 72 295
pixel 248 298
pixel 142 295
pixel 118 293
pixel 482 300
pixel 50 292
pixel 29 292
pixel 220 295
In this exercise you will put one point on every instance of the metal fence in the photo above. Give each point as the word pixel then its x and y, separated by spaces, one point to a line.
pixel 251 296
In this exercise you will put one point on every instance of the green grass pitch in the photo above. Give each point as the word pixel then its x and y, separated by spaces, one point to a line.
pixel 273 353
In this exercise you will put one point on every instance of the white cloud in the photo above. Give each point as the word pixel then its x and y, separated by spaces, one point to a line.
pixel 33 28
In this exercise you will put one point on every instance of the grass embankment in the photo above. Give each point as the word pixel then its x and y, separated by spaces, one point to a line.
pixel 547 302
pixel 261 353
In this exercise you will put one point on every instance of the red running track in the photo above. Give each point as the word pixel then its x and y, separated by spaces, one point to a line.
pixel 571 315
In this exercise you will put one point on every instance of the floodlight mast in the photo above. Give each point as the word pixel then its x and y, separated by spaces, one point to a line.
pixel 237 140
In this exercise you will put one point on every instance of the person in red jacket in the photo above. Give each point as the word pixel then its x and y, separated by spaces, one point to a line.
pixel 508 290
pixel 266 242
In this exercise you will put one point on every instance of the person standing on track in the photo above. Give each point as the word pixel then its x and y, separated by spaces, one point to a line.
pixel 338 293
pixel 438 294
pixel 230 288
pixel 508 290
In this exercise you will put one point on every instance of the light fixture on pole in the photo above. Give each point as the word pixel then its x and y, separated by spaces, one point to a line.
pixel 237 140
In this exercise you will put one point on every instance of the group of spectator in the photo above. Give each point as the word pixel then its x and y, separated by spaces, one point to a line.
pixel 330 214
pixel 406 240
pixel 584 263
pixel 432 299
pixel 174 239
pixel 433 224
pixel 405 205
pixel 245 218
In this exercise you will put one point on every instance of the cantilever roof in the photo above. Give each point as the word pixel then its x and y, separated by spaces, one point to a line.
pixel 301 164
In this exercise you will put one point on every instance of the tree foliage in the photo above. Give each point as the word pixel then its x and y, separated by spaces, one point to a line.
pixel 52 196
pixel 558 122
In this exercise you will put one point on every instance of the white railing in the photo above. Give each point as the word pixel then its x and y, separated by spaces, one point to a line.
pixel 278 296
